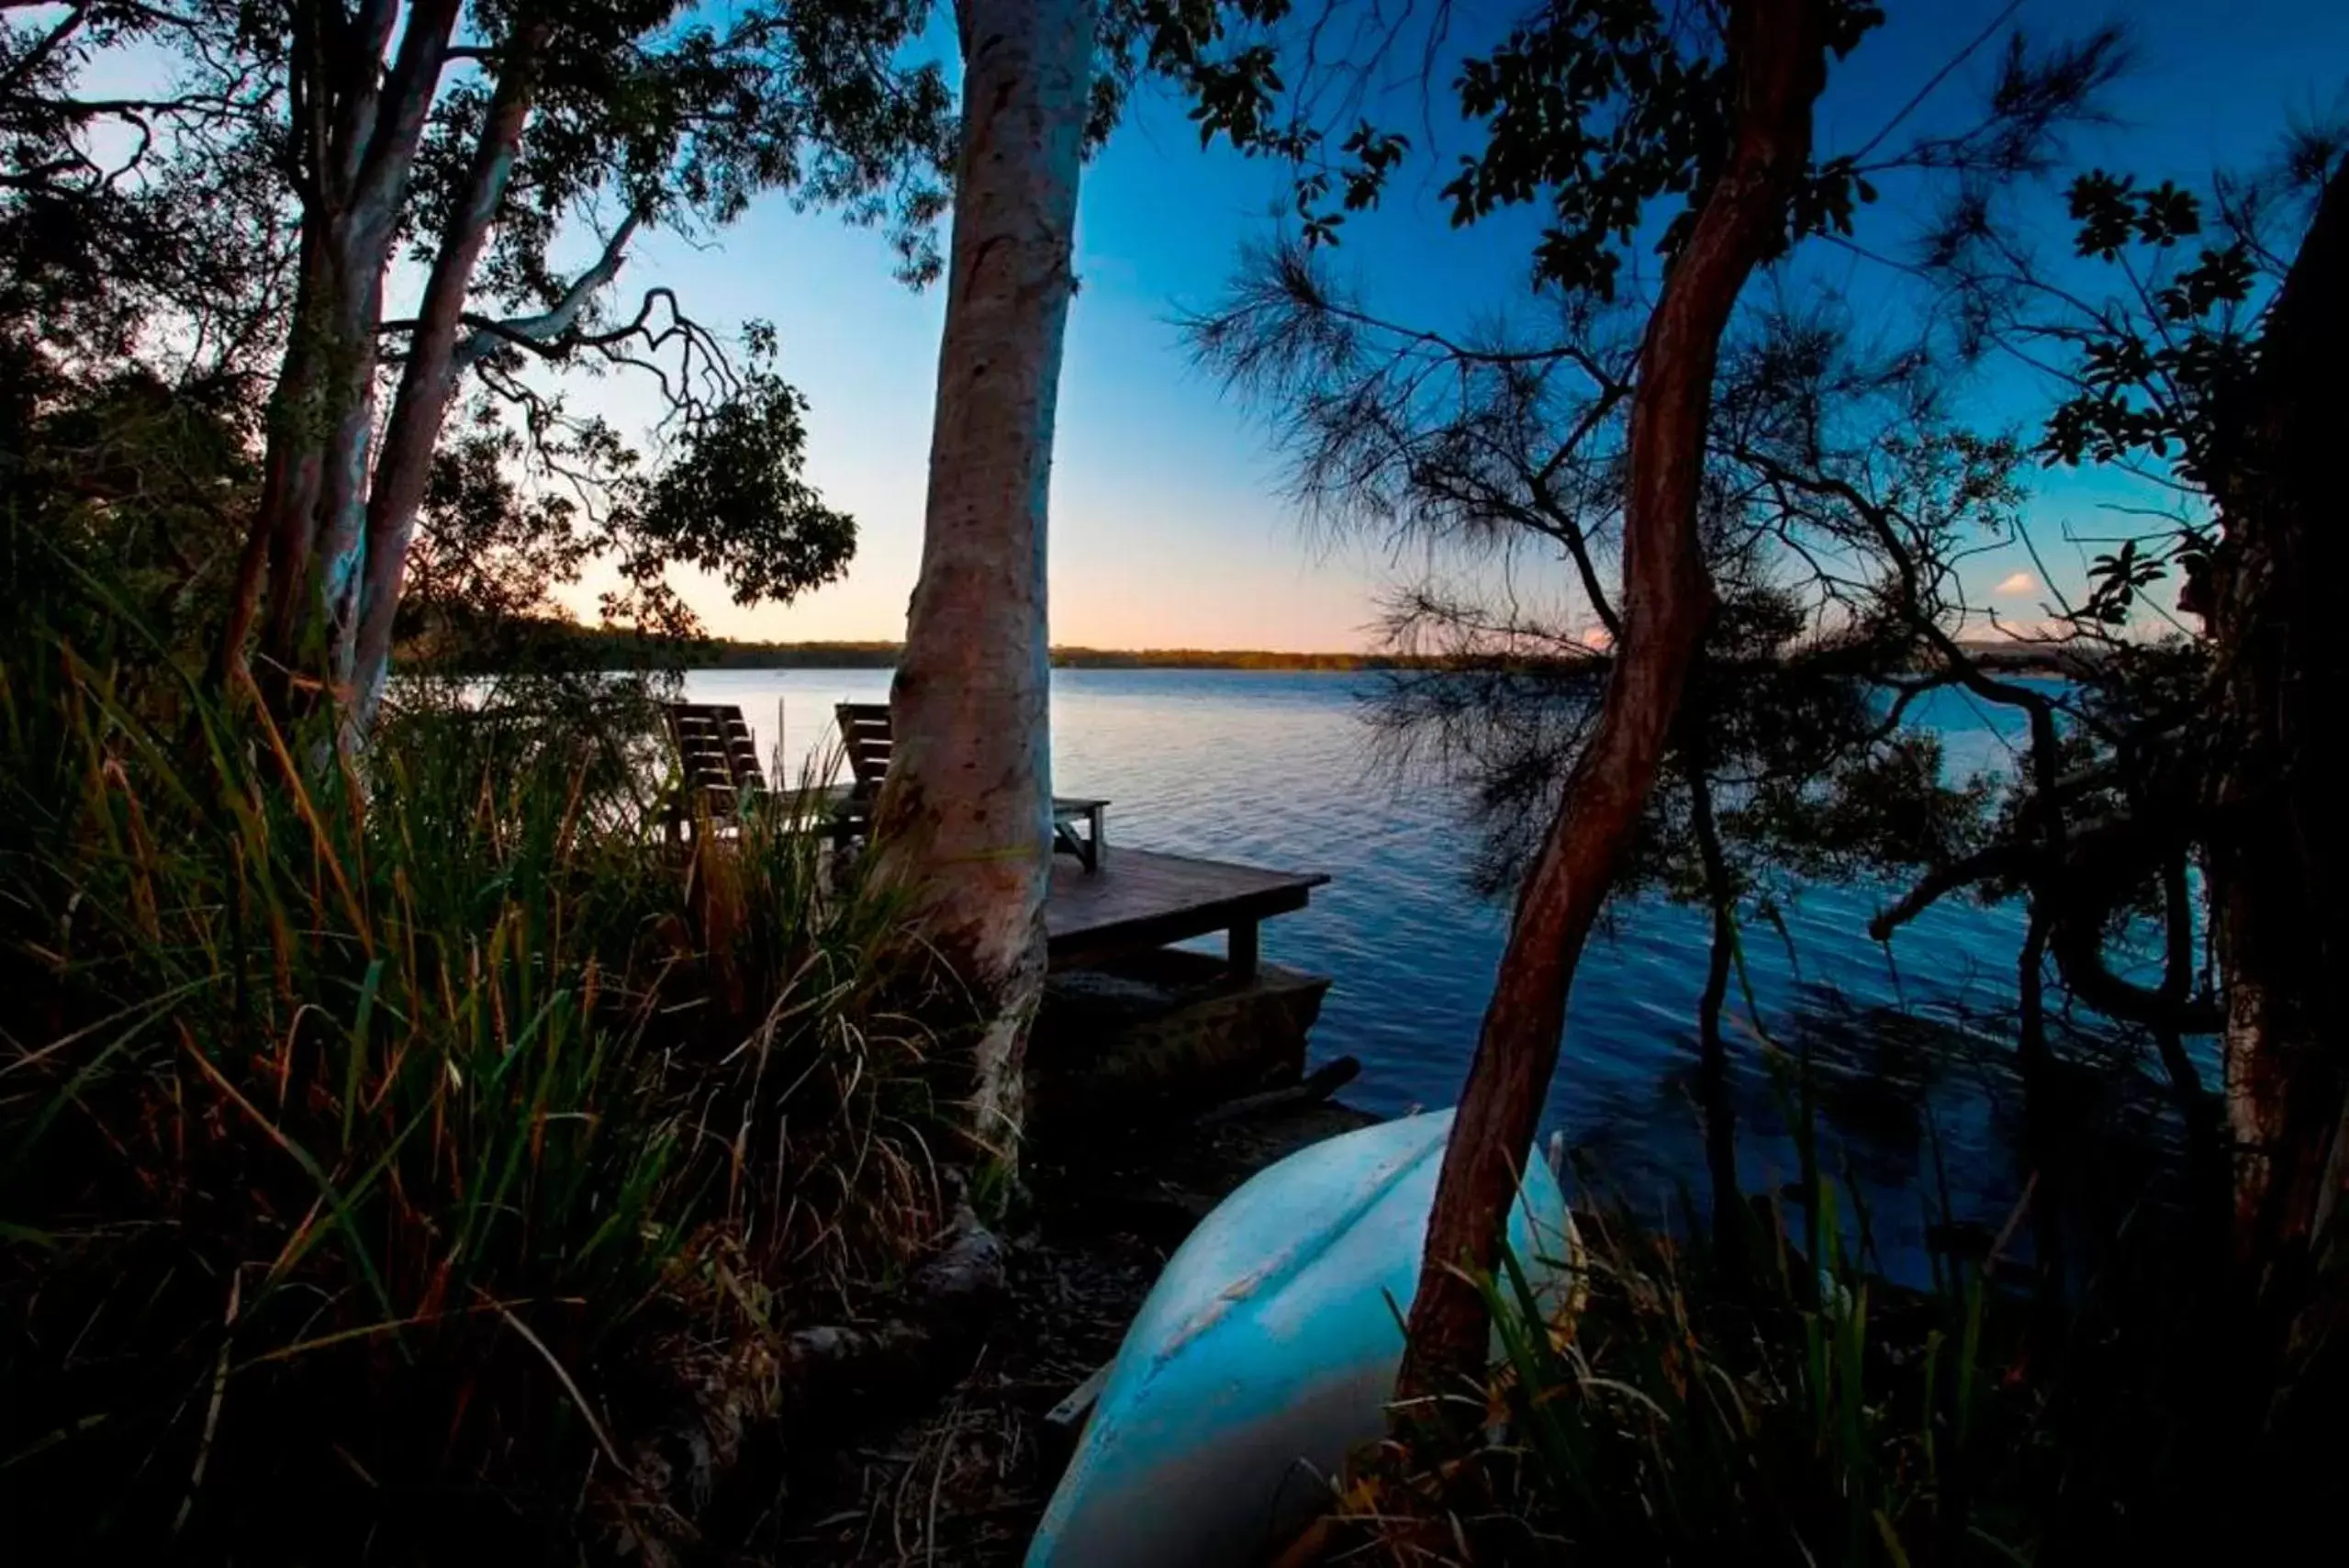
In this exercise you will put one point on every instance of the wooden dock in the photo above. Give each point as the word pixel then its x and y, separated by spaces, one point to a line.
pixel 1131 900
pixel 1132 1031
pixel 1140 899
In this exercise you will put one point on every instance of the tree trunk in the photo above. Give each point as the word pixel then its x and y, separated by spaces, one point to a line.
pixel 334 84
pixel 314 637
pixel 1713 1049
pixel 429 380
pixel 278 535
pixel 2033 1058
pixel 2277 866
pixel 2046 1126
pixel 356 126
pixel 1777 52
pixel 965 817
pixel 2177 984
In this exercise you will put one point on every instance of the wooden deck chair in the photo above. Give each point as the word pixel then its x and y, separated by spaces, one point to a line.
pixel 718 764
pixel 864 732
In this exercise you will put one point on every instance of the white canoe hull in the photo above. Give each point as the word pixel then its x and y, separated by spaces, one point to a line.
pixel 1267 1352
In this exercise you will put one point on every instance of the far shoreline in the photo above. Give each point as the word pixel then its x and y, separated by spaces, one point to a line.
pixel 728 655
pixel 616 649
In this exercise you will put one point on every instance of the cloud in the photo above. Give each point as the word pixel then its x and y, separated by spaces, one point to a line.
pixel 2014 585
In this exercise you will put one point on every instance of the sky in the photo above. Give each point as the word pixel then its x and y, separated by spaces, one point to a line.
pixel 1167 526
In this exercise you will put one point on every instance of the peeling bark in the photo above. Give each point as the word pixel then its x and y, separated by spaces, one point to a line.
pixel 965 817
pixel 1777 50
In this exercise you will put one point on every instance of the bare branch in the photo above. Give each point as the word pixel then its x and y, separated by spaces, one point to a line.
pixel 544 330
pixel 1998 862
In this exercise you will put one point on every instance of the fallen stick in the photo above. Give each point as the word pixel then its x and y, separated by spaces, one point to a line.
pixel 1323 1082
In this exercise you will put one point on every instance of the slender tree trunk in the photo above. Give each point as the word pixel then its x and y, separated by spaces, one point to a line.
pixel 965 818
pixel 2279 858
pixel 326 605
pixel 353 134
pixel 2177 984
pixel 2030 993
pixel 1712 1049
pixel 2043 1129
pixel 429 380
pixel 1777 52
pixel 279 536
pixel 315 469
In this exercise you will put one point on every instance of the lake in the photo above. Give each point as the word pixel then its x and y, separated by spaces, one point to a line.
pixel 1273 769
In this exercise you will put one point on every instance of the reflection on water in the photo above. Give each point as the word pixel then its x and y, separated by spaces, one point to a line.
pixel 1270 767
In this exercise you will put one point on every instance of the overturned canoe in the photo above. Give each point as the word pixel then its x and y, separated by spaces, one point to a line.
pixel 1266 1352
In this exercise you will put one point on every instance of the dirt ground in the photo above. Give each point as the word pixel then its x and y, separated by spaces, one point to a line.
pixel 963 1479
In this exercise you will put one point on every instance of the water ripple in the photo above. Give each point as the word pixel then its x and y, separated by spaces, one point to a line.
pixel 1271 768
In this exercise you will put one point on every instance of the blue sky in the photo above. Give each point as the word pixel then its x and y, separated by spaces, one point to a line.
pixel 1167 526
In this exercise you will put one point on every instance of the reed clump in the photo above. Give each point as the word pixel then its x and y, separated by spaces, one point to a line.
pixel 370 1132
pixel 1757 1393
pixel 1687 1417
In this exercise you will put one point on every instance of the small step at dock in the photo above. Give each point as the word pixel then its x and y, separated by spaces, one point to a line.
pixel 1135 1031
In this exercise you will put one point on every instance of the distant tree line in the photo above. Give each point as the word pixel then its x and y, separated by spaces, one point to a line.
pixel 507 644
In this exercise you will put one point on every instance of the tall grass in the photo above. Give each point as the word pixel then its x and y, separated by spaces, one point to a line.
pixel 1774 1402
pixel 1788 1421
pixel 1787 1414
pixel 362 1141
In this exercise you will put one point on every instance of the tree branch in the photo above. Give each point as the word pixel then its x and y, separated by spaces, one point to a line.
pixel 382 148
pixel 33 59
pixel 543 331
pixel 2000 860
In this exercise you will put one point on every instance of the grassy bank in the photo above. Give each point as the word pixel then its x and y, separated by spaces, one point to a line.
pixel 378 1154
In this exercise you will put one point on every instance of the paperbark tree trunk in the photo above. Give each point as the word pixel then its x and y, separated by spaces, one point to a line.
pixel 354 138
pixel 1777 52
pixel 429 380
pixel 2279 854
pixel 965 817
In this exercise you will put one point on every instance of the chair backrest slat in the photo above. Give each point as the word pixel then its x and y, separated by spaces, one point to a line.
pixel 865 732
pixel 717 754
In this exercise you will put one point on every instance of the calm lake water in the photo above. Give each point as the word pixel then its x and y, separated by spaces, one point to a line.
pixel 1273 769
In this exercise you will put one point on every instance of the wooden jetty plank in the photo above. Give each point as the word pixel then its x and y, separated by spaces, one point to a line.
pixel 1137 900
pixel 1142 898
